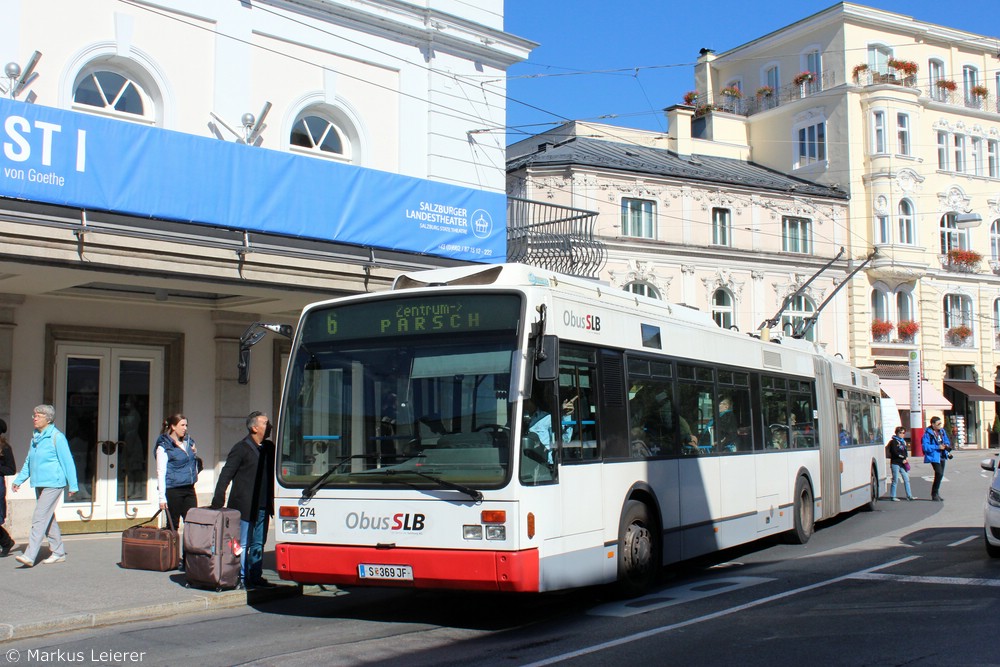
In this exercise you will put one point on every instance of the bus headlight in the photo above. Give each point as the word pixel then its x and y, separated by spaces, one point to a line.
pixel 289 526
pixel 496 532
pixel 472 532
pixel 308 527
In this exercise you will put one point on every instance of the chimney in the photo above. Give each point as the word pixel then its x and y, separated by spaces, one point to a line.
pixel 703 77
pixel 679 129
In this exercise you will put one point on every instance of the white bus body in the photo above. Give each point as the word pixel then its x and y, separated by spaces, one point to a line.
pixel 667 436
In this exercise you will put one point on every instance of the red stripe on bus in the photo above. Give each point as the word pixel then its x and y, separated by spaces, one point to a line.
pixel 509 571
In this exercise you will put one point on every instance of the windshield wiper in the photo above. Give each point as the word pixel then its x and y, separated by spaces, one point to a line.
pixel 467 490
pixel 311 490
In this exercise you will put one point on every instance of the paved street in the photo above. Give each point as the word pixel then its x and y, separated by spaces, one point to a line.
pixel 864 590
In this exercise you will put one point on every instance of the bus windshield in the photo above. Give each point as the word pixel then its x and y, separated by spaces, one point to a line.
pixel 401 392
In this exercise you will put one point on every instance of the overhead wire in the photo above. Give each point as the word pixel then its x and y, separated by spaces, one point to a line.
pixel 455 113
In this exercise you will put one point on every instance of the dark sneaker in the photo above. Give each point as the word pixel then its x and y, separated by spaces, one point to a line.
pixel 5 550
pixel 261 583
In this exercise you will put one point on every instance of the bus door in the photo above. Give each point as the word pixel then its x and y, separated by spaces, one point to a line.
pixel 580 476
pixel 829 443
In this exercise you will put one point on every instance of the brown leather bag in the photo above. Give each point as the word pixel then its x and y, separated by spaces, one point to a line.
pixel 150 547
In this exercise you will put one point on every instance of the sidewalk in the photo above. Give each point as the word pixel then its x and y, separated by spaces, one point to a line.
pixel 90 590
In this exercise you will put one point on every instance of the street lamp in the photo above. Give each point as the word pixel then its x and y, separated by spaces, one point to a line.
pixel 967 220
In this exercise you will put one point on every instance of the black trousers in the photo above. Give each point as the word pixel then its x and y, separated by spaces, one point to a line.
pixel 938 476
pixel 179 501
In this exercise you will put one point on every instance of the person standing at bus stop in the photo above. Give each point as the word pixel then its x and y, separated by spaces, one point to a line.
pixel 937 451
pixel 896 449
pixel 250 468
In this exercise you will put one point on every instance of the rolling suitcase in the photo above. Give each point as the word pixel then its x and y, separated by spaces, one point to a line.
pixel 212 548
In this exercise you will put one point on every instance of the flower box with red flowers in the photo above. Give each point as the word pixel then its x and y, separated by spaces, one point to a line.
pixel 959 334
pixel 946 84
pixel 882 328
pixel 858 69
pixel 907 329
pixel 968 259
pixel 731 91
pixel 690 97
pixel 765 91
pixel 907 67
pixel 980 91
pixel 803 77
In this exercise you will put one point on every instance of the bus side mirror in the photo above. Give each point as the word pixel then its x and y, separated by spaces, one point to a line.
pixel 243 365
pixel 547 359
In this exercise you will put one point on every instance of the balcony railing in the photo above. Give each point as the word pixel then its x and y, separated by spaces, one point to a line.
pixel 751 103
pixel 553 237
pixel 957 267
pixel 953 341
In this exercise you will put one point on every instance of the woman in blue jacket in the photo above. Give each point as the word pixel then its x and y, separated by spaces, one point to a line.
pixel 937 450
pixel 50 467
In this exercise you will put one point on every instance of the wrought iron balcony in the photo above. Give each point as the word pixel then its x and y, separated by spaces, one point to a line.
pixel 558 238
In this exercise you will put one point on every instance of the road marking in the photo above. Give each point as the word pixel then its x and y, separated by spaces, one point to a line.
pixel 709 617
pixel 968 539
pixel 676 595
pixel 916 579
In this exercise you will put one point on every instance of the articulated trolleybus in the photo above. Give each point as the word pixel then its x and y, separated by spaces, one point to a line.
pixel 507 428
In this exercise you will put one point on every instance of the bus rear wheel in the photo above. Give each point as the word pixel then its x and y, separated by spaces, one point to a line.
pixel 872 493
pixel 803 516
pixel 638 550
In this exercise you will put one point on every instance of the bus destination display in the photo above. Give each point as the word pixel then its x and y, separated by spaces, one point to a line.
pixel 415 317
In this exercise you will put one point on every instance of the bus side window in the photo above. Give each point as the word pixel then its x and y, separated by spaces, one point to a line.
pixel 578 390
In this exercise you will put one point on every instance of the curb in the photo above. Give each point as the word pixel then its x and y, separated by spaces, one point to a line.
pixel 222 600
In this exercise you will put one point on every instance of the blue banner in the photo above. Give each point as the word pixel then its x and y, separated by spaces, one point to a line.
pixel 73 159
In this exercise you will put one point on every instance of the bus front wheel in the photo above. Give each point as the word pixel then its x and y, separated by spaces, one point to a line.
pixel 803 512
pixel 638 550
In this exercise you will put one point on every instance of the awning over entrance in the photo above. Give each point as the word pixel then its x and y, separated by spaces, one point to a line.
pixel 899 391
pixel 972 390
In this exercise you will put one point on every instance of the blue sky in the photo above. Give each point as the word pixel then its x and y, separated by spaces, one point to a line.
pixel 585 66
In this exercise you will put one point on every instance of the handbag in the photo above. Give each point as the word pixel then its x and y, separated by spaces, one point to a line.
pixel 151 547
pixel 906 466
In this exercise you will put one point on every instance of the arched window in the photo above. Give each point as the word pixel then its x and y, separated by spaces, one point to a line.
pixel 905 220
pixel 812 61
pixel 880 305
pixel 952 238
pixel 878 58
pixel 795 314
pixel 722 308
pixel 996 319
pixel 643 289
pixel 322 131
pixel 957 311
pixel 970 79
pixel 904 307
pixel 935 71
pixel 995 240
pixel 106 88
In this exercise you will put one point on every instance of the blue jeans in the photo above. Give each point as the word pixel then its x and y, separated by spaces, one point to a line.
pixel 897 472
pixel 252 536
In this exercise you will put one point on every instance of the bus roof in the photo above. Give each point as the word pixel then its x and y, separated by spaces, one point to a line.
pixel 524 276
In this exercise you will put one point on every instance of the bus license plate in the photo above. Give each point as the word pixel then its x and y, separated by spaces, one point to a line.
pixel 392 572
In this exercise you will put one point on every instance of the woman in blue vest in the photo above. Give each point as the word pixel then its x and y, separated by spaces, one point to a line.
pixel 176 468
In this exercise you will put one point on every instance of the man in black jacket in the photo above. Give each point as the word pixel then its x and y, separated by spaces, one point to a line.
pixel 7 467
pixel 250 468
